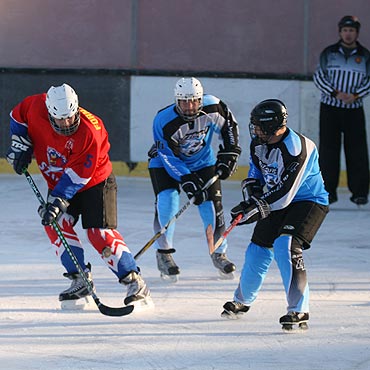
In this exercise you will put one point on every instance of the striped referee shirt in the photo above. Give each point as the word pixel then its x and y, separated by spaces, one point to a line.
pixel 346 72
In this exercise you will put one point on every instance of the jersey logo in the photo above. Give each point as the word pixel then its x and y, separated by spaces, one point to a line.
pixel 191 143
pixel 69 145
pixel 270 173
pixel 56 160
pixel 271 164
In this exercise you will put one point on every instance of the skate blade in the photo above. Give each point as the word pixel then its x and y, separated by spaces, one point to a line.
pixel 143 304
pixel 294 328
pixel 224 276
pixel 80 304
pixel 169 278
pixel 231 315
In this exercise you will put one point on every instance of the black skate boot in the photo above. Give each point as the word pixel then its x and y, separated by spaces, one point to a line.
pixel 138 293
pixel 166 265
pixel 77 296
pixel 234 310
pixel 224 265
pixel 360 201
pixel 291 319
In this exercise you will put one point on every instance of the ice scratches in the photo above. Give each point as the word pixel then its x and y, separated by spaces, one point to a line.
pixel 332 288
pixel 362 365
pixel 367 246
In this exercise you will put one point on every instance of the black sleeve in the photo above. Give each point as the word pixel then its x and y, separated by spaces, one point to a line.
pixel 230 129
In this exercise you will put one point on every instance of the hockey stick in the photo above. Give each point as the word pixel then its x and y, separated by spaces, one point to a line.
pixel 225 234
pixel 210 182
pixel 105 310
pixel 250 214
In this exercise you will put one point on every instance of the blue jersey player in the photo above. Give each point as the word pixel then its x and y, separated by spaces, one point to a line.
pixel 285 194
pixel 183 158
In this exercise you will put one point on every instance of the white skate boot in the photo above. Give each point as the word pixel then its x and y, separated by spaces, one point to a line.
pixel 77 296
pixel 138 293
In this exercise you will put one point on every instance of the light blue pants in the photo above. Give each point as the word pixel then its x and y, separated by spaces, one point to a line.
pixel 287 252
pixel 167 206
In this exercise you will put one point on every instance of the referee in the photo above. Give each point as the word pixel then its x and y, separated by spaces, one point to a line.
pixel 343 77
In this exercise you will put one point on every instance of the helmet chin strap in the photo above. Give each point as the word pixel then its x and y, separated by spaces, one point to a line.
pixel 185 116
pixel 264 141
pixel 271 136
pixel 66 131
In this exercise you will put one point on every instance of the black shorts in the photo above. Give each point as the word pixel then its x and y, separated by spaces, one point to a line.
pixel 97 206
pixel 300 219
pixel 161 180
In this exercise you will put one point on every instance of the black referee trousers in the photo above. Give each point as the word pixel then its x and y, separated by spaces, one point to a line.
pixel 336 123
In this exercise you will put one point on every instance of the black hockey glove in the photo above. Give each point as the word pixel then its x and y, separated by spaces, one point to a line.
pixel 52 210
pixel 251 188
pixel 227 161
pixel 19 154
pixel 252 210
pixel 192 185
pixel 152 152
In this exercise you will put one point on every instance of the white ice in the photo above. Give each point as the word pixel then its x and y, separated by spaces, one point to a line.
pixel 184 330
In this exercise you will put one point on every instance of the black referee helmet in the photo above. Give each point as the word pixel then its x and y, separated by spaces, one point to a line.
pixel 349 21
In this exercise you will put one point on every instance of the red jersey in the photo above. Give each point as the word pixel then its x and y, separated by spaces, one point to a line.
pixel 68 163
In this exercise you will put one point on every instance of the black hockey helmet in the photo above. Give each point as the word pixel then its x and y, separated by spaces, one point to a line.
pixel 269 115
pixel 349 21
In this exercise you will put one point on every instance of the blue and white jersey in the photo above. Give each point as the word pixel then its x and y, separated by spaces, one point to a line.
pixel 289 169
pixel 186 146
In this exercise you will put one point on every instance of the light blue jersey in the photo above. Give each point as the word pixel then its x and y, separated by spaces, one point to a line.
pixel 289 169
pixel 186 146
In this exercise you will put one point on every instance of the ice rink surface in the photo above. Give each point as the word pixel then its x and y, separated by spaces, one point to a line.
pixel 184 331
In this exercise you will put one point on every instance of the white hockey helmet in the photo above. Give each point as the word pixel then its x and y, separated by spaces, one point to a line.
pixel 188 89
pixel 62 102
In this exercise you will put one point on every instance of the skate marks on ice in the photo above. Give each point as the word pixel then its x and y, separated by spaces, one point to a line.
pixel 186 319
pixel 173 279
pixel 169 279
pixel 184 330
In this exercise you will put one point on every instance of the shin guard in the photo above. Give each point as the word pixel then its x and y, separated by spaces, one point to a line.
pixel 114 251
pixel 66 225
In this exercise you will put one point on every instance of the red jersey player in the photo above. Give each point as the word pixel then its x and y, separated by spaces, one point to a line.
pixel 71 148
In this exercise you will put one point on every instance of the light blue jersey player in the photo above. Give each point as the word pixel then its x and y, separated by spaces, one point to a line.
pixel 285 194
pixel 183 158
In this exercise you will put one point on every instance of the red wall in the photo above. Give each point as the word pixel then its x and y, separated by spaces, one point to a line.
pixel 266 36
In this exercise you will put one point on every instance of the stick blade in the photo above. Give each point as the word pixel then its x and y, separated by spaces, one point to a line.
pixel 210 239
pixel 114 311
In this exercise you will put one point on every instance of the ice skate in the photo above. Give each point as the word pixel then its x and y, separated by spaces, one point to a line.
pixel 138 293
pixel 294 321
pixel 77 296
pixel 224 266
pixel 167 266
pixel 359 201
pixel 234 310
